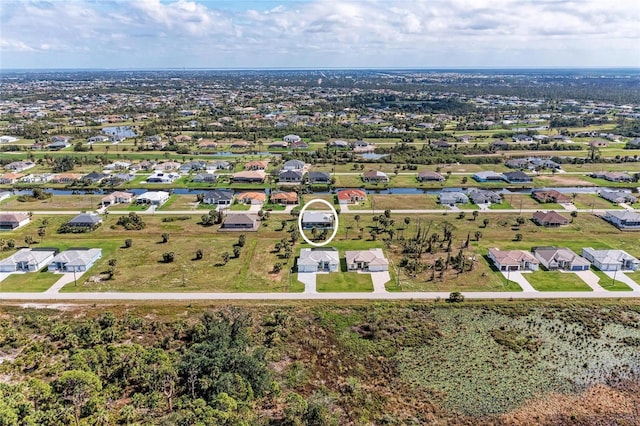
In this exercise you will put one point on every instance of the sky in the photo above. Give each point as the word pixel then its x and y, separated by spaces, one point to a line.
pixel 160 34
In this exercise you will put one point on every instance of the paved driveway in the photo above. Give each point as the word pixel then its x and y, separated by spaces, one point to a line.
pixel 65 278
pixel 517 277
pixel 379 280
pixel 309 281
pixel 569 207
pixel 4 275
pixel 621 276
pixel 591 279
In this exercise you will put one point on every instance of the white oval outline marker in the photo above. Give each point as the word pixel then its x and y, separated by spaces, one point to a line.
pixel 335 227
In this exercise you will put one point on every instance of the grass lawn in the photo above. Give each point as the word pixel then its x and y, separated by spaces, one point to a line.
pixel 556 281
pixel 29 282
pixel 180 202
pixel 56 202
pixel 240 207
pixel 607 282
pixel 399 201
pixel 344 282
pixel 588 201
pixel 526 202
pixel 500 206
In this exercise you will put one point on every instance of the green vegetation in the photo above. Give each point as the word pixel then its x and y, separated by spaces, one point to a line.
pixel 556 281
pixel 344 282
pixel 29 282
pixel 320 363
pixel 608 282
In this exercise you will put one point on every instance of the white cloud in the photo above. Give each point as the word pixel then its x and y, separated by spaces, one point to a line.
pixel 321 32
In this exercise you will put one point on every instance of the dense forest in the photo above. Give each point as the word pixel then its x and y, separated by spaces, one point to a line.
pixel 321 364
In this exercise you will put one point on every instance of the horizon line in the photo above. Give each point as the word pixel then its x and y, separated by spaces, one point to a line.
pixel 458 68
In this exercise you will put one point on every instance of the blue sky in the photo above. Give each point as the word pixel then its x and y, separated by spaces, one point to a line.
pixel 318 33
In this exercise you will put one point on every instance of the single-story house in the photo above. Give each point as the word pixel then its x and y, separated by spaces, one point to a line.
pixel 167 165
pixel 253 198
pixel 118 165
pixel 611 260
pixel 487 176
pixel 97 139
pixel 351 196
pixel 551 196
pixel 66 177
pixel 339 144
pixel 374 176
pixel 550 218
pixel 56 146
pixel 441 144
pixel 279 145
pixel 205 178
pixel 93 177
pixel 117 197
pixel 28 260
pixel 221 165
pixel 299 145
pixel 11 221
pixel 452 197
pixel 256 165
pixel 554 258
pixel 517 163
pixel 293 165
pixel 371 260
pixel 219 197
pixel 249 176
pixel 517 177
pixel 37 178
pixel 78 260
pixel 10 178
pixel 20 166
pixel 240 222
pixel 290 176
pixel 613 176
pixel 191 166
pixel 623 219
pixel 618 197
pixel 482 196
pixel 522 138
pixel 318 260
pixel 239 145
pixel 154 198
pixel 427 176
pixel 317 219
pixel 85 220
pixel 319 177
pixel 207 143
pixel 292 138
pixel 282 197
pixel 117 178
pixel 162 177
pixel 513 260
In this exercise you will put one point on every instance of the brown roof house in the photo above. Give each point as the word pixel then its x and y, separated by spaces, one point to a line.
pixel 513 260
pixel 282 197
pixel 375 176
pixel 240 222
pixel 551 196
pixel 427 176
pixel 550 218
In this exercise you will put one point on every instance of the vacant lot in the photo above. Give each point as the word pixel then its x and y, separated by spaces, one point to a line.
pixel 344 282
pixel 56 202
pixel 29 282
pixel 399 202
pixel 556 281
pixel 180 202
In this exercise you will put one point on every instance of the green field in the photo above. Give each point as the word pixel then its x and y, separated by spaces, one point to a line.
pixel 556 281
pixel 343 282
pixel 29 282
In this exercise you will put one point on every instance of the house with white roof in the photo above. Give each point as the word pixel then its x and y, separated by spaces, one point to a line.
pixel 618 197
pixel 371 260
pixel 623 219
pixel 75 260
pixel 317 220
pixel 318 260
pixel 611 260
pixel 154 198
pixel 27 260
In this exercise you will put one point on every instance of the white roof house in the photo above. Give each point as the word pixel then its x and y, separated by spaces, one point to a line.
pixel 318 260
pixel 317 219
pixel 27 260
pixel 75 260
pixel 611 260
pixel 372 260
pixel 156 198
pixel 623 219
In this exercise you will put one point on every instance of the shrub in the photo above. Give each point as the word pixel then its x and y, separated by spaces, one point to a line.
pixel 455 297
pixel 128 242
pixel 132 222
pixel 168 257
